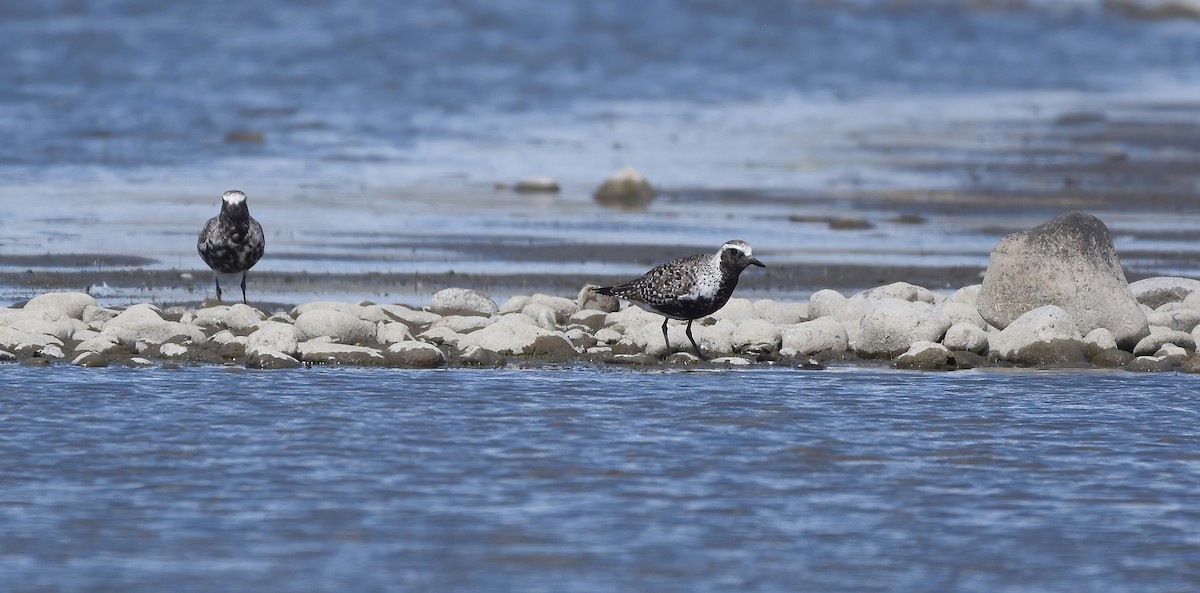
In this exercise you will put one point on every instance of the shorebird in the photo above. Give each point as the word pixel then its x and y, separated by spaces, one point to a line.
pixel 690 287
pixel 231 242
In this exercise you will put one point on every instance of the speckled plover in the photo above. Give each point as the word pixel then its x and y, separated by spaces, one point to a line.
pixel 689 288
pixel 231 242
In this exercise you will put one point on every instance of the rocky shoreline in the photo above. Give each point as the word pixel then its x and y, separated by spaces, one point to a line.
pixel 1053 296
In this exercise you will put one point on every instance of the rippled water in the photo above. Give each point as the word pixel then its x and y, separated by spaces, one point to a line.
pixel 202 479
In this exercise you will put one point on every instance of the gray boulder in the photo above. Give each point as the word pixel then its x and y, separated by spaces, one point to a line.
pixel 781 313
pixel 826 303
pixel 1155 292
pixel 461 301
pixel 392 333
pixel 1044 336
pixel 1184 320
pixel 625 189
pixel 967 337
pixel 275 336
pixel 265 357
pixel 412 354
pixel 756 338
pixel 1069 262
pixel 590 300
pixel 235 317
pixel 1160 336
pixel 824 334
pixel 143 323
pixel 925 356
pixel 65 304
pixel 891 326
pixel 340 354
pixel 337 325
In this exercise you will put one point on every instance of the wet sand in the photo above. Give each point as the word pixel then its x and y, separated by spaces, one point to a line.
pixel 1136 165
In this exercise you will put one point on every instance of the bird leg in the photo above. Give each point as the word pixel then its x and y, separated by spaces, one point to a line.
pixel 244 288
pixel 218 279
pixel 694 345
pixel 665 338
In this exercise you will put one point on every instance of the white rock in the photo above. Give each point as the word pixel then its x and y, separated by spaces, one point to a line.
pixel 265 357
pixel 66 304
pixel 461 301
pixel 323 353
pixel 1178 319
pixel 962 313
pixel 1154 292
pixel 235 317
pixel 514 304
pixel 172 351
pixel 143 323
pixel 608 336
pixel 736 310
pixel 900 290
pixel 891 326
pixel 415 354
pixel 966 295
pixel 542 315
pixel 415 320
pixel 1100 340
pixel 926 355
pixel 1171 350
pixel 826 303
pixel 509 335
pixel 348 308
pixel 589 318
pixel 62 328
pixel 102 344
pixel 394 332
pixel 590 300
pixel 89 358
pixel 632 318
pixel 1069 262
pixel 275 336
pixel 441 335
pixel 966 336
pixel 54 351
pixel 12 339
pixel 93 315
pixel 757 338
pixel 1160 336
pixel 342 327
pixel 626 189
pixel 824 334
pixel 781 313
pixel 462 324
pixel 1046 335
pixel 563 308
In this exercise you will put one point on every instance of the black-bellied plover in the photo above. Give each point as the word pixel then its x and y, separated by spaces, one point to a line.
pixel 231 242
pixel 691 287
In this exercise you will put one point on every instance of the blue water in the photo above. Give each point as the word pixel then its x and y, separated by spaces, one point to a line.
pixel 205 479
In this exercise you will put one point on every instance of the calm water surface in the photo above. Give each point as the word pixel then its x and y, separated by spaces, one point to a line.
pixel 205 479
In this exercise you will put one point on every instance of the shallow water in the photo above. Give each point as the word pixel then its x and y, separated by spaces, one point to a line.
pixel 202 479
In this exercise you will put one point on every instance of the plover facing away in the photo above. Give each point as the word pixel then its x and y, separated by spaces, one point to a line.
pixel 231 242
pixel 691 287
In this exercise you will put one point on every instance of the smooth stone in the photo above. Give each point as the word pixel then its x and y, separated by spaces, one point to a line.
pixel 736 310
pixel 340 326
pixel 732 361
pixel 899 290
pixel 638 359
pixel 441 336
pixel 757 338
pixel 462 301
pixel 1069 262
pixel 581 338
pixel 625 189
pixel 1097 341
pixel 824 334
pixel 534 185
pixel 608 336
pixel 416 320
pixel 93 314
pixel 54 351
pixel 826 303
pixel 590 300
pixel 1149 364
pixel 966 337
pixel 172 351
pixel 1044 336
pixel 265 357
pixel 90 359
pixel 234 317
pixel 63 328
pixel 342 354
pixel 1157 291
pixel 590 318
pixel 509 335
pixel 102 344
pixel 553 348
pixel 926 356
pixel 1111 359
pixel 541 315
pixel 273 335
pixel 962 313
pixel 781 313
pixel 967 295
pixel 1184 320
pixel 12 339
pixel 394 332
pixel 480 357
pixel 66 304
pixel 514 304
pixel 563 308
pixel 413 354
pixel 891 326
pixel 1160 336
pixel 462 324
pixel 348 308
